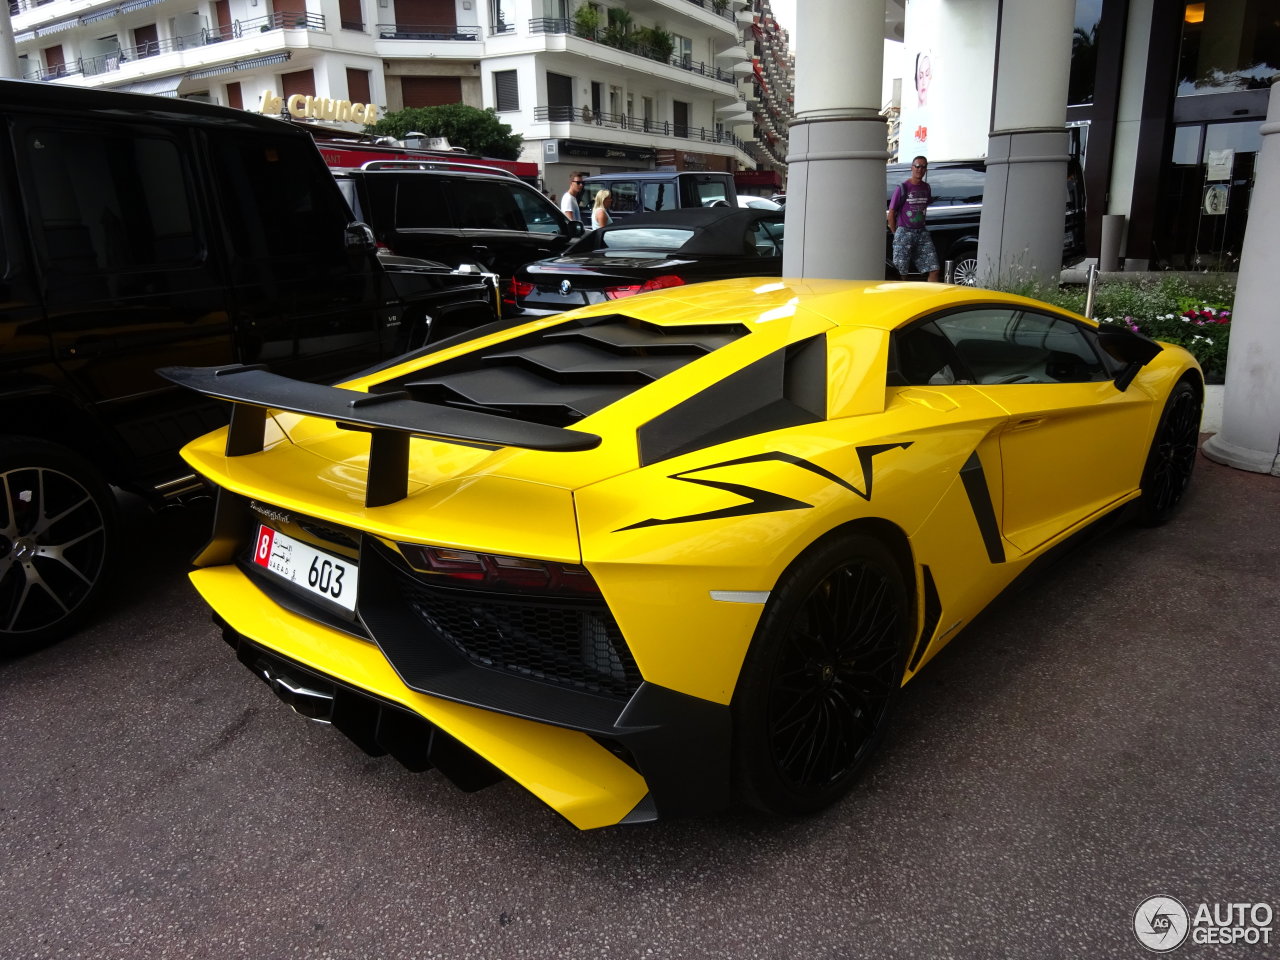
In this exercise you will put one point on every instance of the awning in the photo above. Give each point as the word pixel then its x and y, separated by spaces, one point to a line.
pixel 156 86
pixel 107 13
pixel 56 27
pixel 250 64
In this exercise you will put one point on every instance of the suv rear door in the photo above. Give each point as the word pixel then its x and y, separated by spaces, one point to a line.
pixel 130 282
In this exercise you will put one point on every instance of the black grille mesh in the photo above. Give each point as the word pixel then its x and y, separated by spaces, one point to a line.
pixel 575 645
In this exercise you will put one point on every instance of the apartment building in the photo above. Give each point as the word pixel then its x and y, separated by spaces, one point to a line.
pixel 625 84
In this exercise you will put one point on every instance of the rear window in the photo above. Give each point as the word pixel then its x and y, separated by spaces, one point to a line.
pixel 645 238
pixel 710 192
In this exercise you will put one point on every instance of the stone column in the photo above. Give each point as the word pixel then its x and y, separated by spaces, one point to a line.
pixel 8 51
pixel 838 147
pixel 1250 437
pixel 1024 202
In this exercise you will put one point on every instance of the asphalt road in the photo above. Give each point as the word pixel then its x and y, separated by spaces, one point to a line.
pixel 1110 733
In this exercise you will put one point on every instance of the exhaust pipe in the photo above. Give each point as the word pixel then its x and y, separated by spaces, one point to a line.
pixel 308 701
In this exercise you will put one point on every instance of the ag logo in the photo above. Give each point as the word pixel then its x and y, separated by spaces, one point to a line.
pixel 1161 924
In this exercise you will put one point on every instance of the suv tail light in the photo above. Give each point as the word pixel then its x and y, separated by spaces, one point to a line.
pixel 482 571
pixel 630 290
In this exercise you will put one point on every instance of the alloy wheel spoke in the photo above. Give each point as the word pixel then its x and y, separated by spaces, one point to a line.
pixel 835 676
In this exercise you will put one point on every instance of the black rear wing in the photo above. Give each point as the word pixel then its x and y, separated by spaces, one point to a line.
pixel 390 419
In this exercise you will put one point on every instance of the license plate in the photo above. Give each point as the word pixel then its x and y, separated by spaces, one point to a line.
pixel 316 572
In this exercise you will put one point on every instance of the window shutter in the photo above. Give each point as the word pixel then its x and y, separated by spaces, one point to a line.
pixel 506 90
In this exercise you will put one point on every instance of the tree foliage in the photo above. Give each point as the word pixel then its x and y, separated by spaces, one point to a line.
pixel 475 130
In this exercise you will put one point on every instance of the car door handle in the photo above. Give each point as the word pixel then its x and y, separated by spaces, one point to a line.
pixel 1027 423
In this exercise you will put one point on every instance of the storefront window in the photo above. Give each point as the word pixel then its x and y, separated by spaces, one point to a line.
pixel 1084 51
pixel 1244 136
pixel 1228 45
pixel 1205 195
pixel 1186 145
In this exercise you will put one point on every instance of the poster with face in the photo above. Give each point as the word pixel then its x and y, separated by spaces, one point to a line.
pixel 918 114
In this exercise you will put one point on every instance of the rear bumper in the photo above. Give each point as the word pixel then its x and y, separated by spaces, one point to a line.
pixel 658 754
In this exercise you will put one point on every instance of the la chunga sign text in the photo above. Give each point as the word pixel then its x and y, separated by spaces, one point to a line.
pixel 305 107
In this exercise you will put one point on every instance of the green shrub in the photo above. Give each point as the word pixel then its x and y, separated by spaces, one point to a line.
pixel 1191 310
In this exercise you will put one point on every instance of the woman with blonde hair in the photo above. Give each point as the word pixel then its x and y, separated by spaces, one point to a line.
pixel 600 209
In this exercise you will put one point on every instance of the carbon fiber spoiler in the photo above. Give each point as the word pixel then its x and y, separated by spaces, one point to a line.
pixel 390 418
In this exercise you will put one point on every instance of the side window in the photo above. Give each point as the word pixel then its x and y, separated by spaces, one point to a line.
pixel 1000 346
pixel 711 191
pixel 348 189
pixel 659 197
pixel 277 201
pixel 104 201
pixel 922 356
pixel 419 200
pixel 486 205
pixel 767 238
pixel 626 196
pixel 956 186
pixel 540 215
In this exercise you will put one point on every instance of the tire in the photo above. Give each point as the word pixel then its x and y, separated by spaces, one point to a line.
pixel 57 542
pixel 1172 457
pixel 964 266
pixel 821 677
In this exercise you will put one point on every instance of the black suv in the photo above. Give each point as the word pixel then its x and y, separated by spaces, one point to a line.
pixel 457 214
pixel 139 232
pixel 953 216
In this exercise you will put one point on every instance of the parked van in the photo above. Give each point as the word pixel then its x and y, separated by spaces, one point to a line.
pixel 138 232
pixel 654 191
pixel 953 217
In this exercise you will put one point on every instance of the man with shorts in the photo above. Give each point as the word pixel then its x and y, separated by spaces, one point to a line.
pixel 913 250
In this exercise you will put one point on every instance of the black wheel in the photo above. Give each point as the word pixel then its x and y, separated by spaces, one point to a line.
pixel 1173 455
pixel 822 674
pixel 57 531
pixel 964 266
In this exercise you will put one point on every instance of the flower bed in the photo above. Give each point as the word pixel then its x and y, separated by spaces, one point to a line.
pixel 1191 310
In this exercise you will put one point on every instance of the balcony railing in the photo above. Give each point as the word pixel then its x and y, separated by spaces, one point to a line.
pixel 609 39
pixel 618 121
pixel 428 31
pixel 719 9
pixel 109 62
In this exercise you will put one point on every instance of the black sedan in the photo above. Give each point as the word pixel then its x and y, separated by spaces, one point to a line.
pixel 650 251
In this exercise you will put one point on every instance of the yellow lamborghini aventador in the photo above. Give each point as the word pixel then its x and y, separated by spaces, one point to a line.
pixel 650 556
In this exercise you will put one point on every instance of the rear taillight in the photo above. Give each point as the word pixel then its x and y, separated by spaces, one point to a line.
pixel 630 290
pixel 483 571
pixel 517 288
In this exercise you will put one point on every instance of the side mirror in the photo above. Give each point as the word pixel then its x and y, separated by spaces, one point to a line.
pixel 1132 349
pixel 576 228
pixel 359 238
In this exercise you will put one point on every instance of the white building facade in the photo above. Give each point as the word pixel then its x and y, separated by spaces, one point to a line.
pixel 624 84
